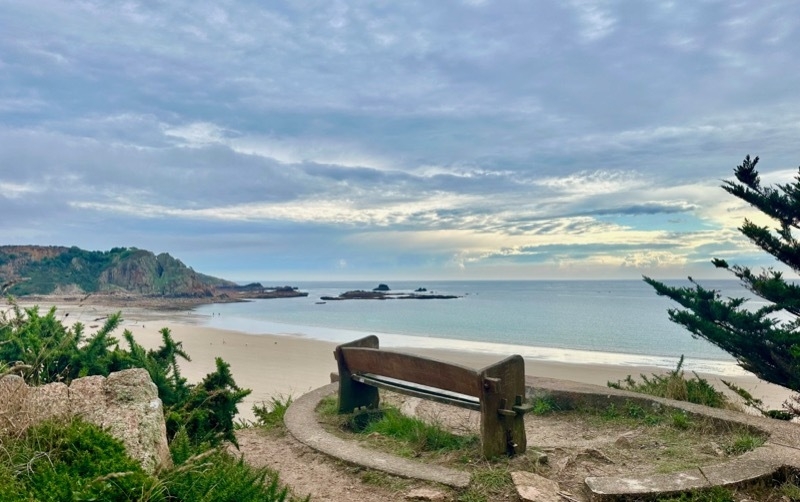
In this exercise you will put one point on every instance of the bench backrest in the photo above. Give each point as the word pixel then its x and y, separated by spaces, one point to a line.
pixel 415 369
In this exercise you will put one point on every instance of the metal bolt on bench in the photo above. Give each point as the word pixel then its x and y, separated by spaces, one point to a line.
pixel 496 391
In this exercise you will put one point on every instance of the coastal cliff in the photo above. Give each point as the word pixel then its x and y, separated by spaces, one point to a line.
pixel 44 270
pixel 120 276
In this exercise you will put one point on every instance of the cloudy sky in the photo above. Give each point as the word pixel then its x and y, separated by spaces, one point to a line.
pixel 363 139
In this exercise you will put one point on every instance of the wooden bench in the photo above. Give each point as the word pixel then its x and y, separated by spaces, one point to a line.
pixel 496 391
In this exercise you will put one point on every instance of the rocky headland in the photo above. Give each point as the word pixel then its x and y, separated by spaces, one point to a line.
pixel 121 276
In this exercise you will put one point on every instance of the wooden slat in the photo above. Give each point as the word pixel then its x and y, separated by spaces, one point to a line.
pixel 415 369
pixel 421 391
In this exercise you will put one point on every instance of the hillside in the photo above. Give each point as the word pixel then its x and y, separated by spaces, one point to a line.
pixel 44 270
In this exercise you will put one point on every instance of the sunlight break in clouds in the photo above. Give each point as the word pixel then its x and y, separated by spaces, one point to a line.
pixel 597 182
pixel 336 212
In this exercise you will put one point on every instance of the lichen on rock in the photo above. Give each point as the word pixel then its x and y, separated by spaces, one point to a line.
pixel 126 404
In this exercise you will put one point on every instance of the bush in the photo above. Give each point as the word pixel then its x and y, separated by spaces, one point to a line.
pixel 270 415
pixel 56 461
pixel 675 385
pixel 76 460
pixel 218 476
pixel 42 350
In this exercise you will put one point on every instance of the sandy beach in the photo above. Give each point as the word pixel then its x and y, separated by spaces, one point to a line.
pixel 279 365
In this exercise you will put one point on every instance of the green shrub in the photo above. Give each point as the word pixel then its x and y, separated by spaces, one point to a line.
pixel 217 476
pixel 203 474
pixel 76 460
pixel 209 409
pixel 543 405
pixel 674 385
pixel 42 350
pixel 634 410
pixel 610 412
pixel 11 488
pixel 680 420
pixel 270 415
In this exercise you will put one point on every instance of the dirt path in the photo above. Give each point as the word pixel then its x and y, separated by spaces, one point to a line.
pixel 310 473
pixel 576 445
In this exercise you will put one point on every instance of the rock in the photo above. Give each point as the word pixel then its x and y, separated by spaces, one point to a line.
pixel 565 462
pixel 87 394
pixel 13 396
pixel 48 401
pixel 623 442
pixel 596 454
pixel 426 494
pixel 126 404
pixel 713 449
pixel 130 386
pixel 538 457
pixel 381 287
pixel 534 488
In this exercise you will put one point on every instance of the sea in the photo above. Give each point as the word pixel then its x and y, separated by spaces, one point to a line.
pixel 619 322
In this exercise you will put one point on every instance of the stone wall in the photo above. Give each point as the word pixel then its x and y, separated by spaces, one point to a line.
pixel 125 403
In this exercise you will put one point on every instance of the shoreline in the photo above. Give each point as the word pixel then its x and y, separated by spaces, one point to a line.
pixel 282 365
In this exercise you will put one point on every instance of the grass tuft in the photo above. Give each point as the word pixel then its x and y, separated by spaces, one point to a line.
pixel 418 435
pixel 680 420
pixel 270 415
pixel 675 385
pixel 743 442
pixel 543 405
pixel 329 406
pixel 489 483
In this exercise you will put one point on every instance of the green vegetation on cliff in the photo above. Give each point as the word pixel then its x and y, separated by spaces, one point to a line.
pixel 41 270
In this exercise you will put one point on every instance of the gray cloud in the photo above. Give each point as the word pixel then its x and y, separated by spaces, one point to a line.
pixel 297 129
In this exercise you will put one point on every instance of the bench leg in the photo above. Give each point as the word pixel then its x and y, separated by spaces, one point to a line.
pixel 502 431
pixel 354 394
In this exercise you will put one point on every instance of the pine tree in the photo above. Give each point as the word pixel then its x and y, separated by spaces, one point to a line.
pixel 764 341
